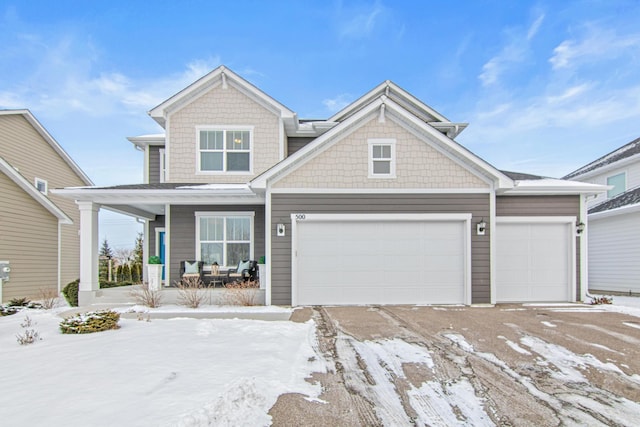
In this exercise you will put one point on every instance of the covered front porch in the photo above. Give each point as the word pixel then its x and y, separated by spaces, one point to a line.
pixel 213 223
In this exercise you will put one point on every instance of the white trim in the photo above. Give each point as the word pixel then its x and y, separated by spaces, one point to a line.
pixel 379 190
pixel 583 241
pixel 492 247
pixel 305 217
pixel 281 140
pixel 167 243
pixel 225 129
pixel 267 236
pixel 614 212
pixel 570 221
pixel 167 159
pixel 226 214
pixel 606 179
pixel 605 167
pixel 147 160
pixel 163 165
pixel 145 251
pixel 384 142
pixel 59 258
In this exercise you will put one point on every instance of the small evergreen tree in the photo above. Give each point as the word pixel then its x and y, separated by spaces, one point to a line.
pixel 103 261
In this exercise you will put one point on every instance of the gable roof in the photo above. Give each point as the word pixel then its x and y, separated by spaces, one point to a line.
pixel 22 182
pixel 50 140
pixel 221 76
pixel 412 104
pixel 382 106
pixel 625 152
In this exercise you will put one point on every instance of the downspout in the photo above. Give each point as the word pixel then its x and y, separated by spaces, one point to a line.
pixel 59 257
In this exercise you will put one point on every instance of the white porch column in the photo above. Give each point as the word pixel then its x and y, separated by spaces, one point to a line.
pixel 89 242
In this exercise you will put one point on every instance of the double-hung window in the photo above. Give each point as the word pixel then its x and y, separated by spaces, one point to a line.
pixel 224 150
pixel 382 158
pixel 224 237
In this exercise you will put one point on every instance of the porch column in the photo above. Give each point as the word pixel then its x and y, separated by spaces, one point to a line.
pixel 89 279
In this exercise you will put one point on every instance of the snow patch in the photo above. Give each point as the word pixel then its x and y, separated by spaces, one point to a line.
pixel 515 346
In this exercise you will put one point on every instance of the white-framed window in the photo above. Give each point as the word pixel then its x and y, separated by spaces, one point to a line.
pixel 41 185
pixel 224 237
pixel 163 165
pixel 619 182
pixel 225 149
pixel 382 158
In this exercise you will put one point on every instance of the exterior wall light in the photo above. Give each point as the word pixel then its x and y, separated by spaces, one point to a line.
pixel 481 227
pixel 580 227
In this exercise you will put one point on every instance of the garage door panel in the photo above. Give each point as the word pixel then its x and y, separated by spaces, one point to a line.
pixel 380 262
pixel 533 261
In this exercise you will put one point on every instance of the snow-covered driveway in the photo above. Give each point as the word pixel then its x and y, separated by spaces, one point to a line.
pixel 443 366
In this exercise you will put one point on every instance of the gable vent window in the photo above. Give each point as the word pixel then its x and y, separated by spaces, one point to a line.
pixel 619 183
pixel 382 158
pixel 224 150
pixel 41 185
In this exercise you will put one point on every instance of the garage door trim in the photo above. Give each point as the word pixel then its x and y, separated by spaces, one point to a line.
pixel 312 217
pixel 569 221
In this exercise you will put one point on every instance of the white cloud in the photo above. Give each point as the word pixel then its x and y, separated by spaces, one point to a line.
pixel 596 45
pixel 514 52
pixel 360 23
pixel 336 104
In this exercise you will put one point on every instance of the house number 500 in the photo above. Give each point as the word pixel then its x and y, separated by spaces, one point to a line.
pixel 301 217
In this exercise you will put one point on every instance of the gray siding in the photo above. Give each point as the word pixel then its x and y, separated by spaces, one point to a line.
pixel 543 206
pixel 183 232
pixel 154 164
pixel 283 205
pixel 296 143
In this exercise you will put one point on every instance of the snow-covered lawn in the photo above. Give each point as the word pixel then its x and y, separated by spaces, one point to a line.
pixel 182 371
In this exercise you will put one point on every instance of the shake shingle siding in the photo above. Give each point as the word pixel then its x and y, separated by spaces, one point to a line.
pixel 283 205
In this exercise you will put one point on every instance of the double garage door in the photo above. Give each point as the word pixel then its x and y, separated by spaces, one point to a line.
pixel 426 259
pixel 379 259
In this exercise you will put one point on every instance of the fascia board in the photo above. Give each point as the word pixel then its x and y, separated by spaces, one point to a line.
pixel 144 141
pixel 312 149
pixel 623 210
pixel 455 148
pixel 51 141
pixel 21 182
pixel 587 189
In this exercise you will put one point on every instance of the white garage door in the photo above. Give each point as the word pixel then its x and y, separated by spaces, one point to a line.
pixel 534 260
pixel 379 260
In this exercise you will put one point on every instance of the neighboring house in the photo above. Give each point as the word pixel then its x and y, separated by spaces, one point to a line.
pixel 375 205
pixel 38 230
pixel 614 220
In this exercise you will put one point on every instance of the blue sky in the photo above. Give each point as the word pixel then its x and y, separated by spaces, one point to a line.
pixel 546 86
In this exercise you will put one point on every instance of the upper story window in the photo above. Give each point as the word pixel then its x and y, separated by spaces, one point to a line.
pixel 224 150
pixel 619 182
pixel 382 158
pixel 41 185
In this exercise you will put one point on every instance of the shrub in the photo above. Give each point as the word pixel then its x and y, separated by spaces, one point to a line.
pixel 191 292
pixel 86 323
pixel 241 293
pixel 106 284
pixel 49 298
pixel 18 302
pixel 145 296
pixel 70 292
pixel 601 300
pixel 154 260
pixel 8 311
pixel 29 334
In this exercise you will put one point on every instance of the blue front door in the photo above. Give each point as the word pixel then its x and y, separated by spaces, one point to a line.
pixel 161 250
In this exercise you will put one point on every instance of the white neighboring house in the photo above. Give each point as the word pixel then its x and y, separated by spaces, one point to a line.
pixel 614 220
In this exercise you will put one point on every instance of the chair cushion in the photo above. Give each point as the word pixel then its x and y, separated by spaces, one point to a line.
pixel 191 275
pixel 191 268
pixel 244 266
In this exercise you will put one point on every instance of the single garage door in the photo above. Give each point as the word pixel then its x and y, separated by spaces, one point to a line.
pixel 535 260
pixel 375 259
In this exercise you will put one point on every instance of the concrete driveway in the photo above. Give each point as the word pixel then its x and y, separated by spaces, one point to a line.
pixel 509 365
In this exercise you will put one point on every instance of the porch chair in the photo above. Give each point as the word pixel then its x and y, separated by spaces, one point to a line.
pixel 191 269
pixel 246 270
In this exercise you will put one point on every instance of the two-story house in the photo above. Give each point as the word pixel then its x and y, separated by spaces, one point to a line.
pixel 377 204
pixel 614 220
pixel 39 240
